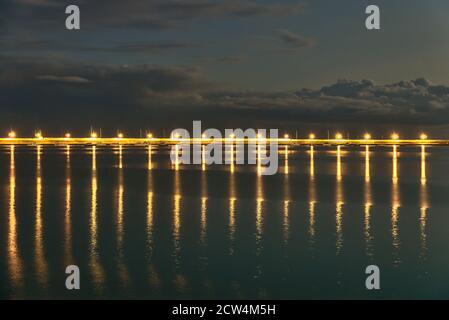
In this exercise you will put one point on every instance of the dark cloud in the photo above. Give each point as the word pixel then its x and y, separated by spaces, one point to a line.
pixel 134 47
pixel 66 79
pixel 226 60
pixel 143 47
pixel 415 101
pixel 55 92
pixel 152 14
pixel 203 8
pixel 295 40
pixel 57 86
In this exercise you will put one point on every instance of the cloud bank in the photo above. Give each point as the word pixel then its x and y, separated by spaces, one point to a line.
pixel 45 93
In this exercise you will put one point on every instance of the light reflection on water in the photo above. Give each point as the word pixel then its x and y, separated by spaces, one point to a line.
pixel 68 260
pixel 286 224
pixel 339 203
pixel 312 196
pixel 395 206
pixel 423 203
pixel 232 208
pixel 177 217
pixel 14 259
pixel 368 204
pixel 94 261
pixel 248 226
pixel 41 263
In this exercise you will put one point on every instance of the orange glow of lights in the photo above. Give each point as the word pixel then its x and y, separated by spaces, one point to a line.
pixel 12 134
pixel 203 136
pixel 93 135
pixel 67 135
pixel 311 136
pixel 423 136
pixel 38 135
pixel 395 136
pixel 149 135
pixel 286 136
pixel 338 136
pixel 120 135
pixel 232 136
pixel 367 136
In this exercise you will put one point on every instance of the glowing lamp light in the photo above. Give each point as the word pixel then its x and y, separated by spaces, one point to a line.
pixel 120 135
pixel 311 136
pixel 286 136
pixel 423 136
pixel 38 135
pixel 149 136
pixel 93 135
pixel 232 136
pixel 338 136
pixel 367 136
pixel 395 136
pixel 203 136
pixel 11 134
pixel 67 135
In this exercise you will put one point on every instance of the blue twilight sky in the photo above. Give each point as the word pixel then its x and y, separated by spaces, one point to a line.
pixel 234 57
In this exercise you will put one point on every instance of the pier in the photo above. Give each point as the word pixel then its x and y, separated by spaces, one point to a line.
pixel 68 140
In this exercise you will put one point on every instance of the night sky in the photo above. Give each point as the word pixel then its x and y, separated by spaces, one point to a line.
pixel 294 65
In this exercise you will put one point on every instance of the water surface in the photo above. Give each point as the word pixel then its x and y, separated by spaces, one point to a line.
pixel 140 227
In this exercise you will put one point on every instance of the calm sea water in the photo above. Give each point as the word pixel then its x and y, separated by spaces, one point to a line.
pixel 139 228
